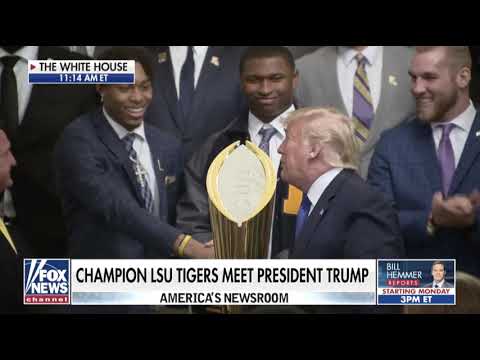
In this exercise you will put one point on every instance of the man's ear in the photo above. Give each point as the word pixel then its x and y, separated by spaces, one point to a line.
pixel 296 80
pixel 464 76
pixel 315 151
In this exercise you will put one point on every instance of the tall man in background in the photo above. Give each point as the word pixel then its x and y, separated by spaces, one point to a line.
pixel 368 83
pixel 33 116
pixel 196 91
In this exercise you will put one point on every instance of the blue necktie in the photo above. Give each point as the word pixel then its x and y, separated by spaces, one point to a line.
pixel 187 84
pixel 140 172
pixel 302 215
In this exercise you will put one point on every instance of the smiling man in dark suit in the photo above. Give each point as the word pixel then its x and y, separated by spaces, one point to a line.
pixel 429 168
pixel 118 177
pixel 268 79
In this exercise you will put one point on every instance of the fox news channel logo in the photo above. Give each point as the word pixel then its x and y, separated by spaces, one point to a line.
pixel 416 282
pixel 46 281
pixel 81 71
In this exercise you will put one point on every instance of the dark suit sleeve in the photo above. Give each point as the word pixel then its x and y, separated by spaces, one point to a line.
pixel 373 231
pixel 193 214
pixel 86 177
pixel 413 223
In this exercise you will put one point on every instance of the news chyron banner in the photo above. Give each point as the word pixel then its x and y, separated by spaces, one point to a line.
pixel 81 72
pixel 239 282
pixel 199 282
pixel 416 282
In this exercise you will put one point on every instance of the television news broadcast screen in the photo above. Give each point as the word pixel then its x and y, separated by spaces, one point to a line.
pixel 214 285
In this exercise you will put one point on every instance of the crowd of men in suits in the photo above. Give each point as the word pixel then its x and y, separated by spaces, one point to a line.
pixel 376 149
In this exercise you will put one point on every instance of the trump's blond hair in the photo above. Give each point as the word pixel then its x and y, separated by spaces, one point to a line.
pixel 327 126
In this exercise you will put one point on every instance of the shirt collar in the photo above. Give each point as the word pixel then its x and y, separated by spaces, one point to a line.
pixel 26 53
pixel 440 284
pixel 463 121
pixel 255 125
pixel 347 54
pixel 197 50
pixel 121 131
pixel 319 186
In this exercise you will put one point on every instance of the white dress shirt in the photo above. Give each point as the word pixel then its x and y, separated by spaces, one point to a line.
pixel 24 90
pixel 254 127
pixel 140 145
pixel 440 284
pixel 459 133
pixel 318 187
pixel 347 66
pixel 90 50
pixel 179 55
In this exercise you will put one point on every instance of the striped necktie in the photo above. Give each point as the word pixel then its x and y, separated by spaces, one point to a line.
pixel 363 113
pixel 140 172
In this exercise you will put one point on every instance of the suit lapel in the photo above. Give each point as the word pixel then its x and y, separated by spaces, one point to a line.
pixel 387 92
pixel 469 155
pixel 108 137
pixel 159 165
pixel 211 66
pixel 167 82
pixel 320 210
pixel 424 147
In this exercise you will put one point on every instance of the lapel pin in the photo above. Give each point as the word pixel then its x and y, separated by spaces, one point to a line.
pixel 477 134
pixel 392 80
pixel 162 57
pixel 322 211
pixel 215 61
pixel 159 166
pixel 170 180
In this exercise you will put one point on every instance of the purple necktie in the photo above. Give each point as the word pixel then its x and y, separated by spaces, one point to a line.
pixel 446 157
pixel 363 113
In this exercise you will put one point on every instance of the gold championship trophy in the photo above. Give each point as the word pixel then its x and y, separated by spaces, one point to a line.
pixel 241 184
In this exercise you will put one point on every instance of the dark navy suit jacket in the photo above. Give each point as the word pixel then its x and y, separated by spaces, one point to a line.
pixel 406 169
pixel 218 98
pixel 101 202
pixel 350 221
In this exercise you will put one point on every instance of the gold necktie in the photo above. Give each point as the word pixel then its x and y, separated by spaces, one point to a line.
pixel 5 233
